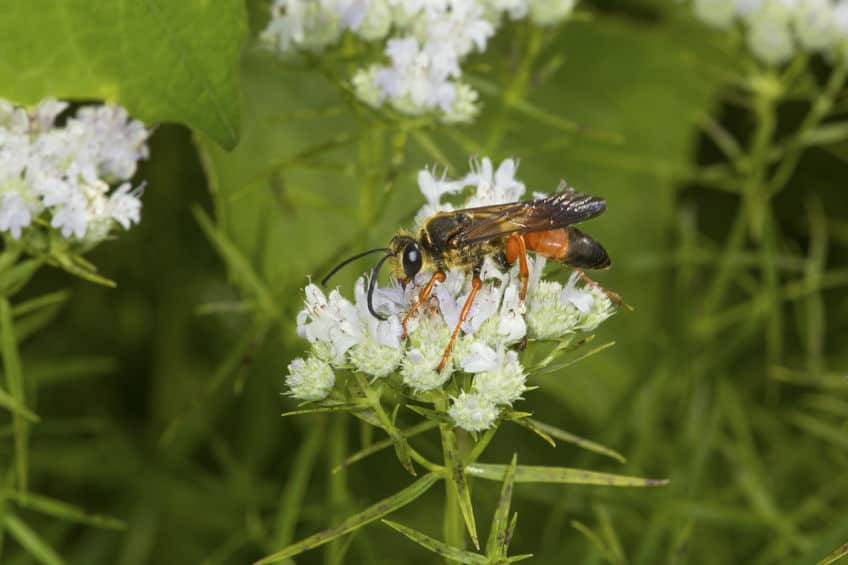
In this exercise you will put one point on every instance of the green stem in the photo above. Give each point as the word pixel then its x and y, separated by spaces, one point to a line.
pixel 454 528
pixel 15 384
pixel 820 108
pixel 516 90
pixel 338 496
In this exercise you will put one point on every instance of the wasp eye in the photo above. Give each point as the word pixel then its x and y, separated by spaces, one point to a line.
pixel 411 260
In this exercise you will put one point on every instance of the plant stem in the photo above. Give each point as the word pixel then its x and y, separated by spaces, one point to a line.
pixel 454 528
pixel 337 494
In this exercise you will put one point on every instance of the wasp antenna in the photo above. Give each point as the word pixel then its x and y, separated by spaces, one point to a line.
pixel 349 260
pixel 372 284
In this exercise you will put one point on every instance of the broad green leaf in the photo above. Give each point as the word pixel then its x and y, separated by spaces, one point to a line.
pixel 62 510
pixel 31 541
pixel 438 547
pixel 15 383
pixel 566 475
pixel 165 61
pixel 373 512
pixel 496 545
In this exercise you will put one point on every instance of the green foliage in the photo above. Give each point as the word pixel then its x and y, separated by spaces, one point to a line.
pixel 164 61
pixel 142 423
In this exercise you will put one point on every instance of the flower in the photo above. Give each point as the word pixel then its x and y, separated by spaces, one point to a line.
pixel 64 173
pixel 425 44
pixel 473 412
pixel 310 378
pixel 483 371
pixel 775 30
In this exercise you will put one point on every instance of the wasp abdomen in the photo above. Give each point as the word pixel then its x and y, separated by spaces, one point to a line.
pixel 569 245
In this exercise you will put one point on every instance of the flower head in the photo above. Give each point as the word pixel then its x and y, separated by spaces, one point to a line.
pixel 425 44
pixel 65 173
pixel 310 378
pixel 484 363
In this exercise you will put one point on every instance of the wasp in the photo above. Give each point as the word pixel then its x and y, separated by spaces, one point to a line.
pixel 462 239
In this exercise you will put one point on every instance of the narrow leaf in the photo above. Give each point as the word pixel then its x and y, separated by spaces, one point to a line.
pixel 565 475
pixel 458 482
pixel 237 264
pixel 13 405
pixel 11 280
pixel 836 555
pixel 584 443
pixel 529 425
pixel 15 383
pixel 39 302
pixel 62 510
pixel 31 542
pixel 449 552
pixel 341 407
pixel 378 446
pixel 496 546
pixel 294 491
pixel 430 414
pixel 373 512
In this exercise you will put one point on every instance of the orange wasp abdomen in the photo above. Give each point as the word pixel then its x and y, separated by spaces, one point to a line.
pixel 552 244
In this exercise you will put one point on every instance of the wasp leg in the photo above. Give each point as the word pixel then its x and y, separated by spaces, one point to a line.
pixel 517 249
pixel 476 284
pixel 438 276
pixel 614 296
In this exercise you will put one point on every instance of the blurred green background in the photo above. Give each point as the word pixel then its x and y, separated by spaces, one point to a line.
pixel 161 399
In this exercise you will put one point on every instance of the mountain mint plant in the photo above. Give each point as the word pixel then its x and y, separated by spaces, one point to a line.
pixel 423 44
pixel 365 365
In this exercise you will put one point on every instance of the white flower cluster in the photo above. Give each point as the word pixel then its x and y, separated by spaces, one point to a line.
pixel 344 334
pixel 63 173
pixel 778 29
pixel 425 42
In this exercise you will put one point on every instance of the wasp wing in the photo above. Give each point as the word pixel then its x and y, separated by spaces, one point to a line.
pixel 552 212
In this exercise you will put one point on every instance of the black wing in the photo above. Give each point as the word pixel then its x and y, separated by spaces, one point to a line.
pixel 552 212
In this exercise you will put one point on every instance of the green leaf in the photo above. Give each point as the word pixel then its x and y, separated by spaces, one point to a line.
pixel 164 61
pixel 31 542
pixel 323 409
pixel 39 302
pixel 378 446
pixel 449 552
pixel 432 415
pixel 12 404
pixel 497 545
pixel 15 383
pixel 458 482
pixel 565 475
pixel 373 512
pixel 568 437
pixel 11 280
pixel 294 491
pixel 237 264
pixel 62 510
pixel 836 555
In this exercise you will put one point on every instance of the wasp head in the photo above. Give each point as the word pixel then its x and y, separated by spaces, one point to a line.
pixel 405 258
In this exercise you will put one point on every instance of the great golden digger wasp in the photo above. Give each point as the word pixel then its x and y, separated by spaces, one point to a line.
pixel 462 239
